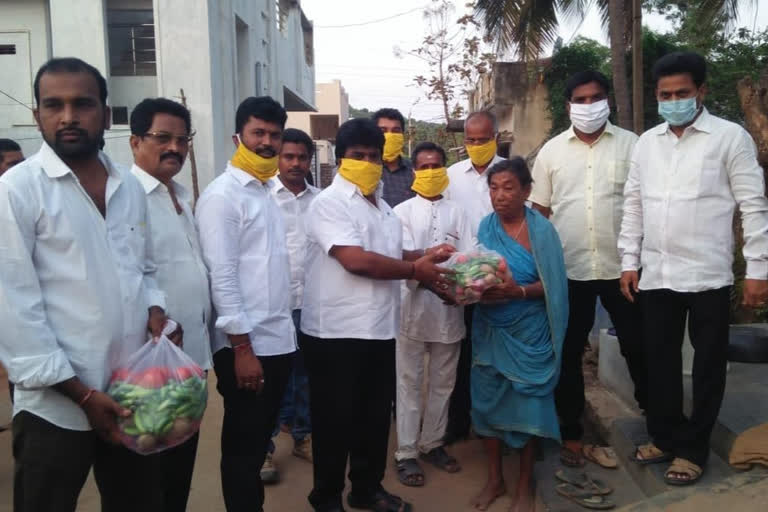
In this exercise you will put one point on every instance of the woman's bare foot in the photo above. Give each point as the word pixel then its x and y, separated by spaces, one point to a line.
pixel 488 495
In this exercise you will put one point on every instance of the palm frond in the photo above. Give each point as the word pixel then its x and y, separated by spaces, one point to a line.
pixel 712 12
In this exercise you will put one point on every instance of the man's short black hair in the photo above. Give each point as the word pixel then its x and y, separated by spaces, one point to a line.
pixel 358 132
pixel 676 63
pixel 584 77
pixel 299 137
pixel 70 65
pixel 262 107
pixel 144 113
pixel 516 165
pixel 8 145
pixel 389 113
pixel 427 146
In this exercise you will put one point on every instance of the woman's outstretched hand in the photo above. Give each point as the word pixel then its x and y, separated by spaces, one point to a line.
pixel 505 291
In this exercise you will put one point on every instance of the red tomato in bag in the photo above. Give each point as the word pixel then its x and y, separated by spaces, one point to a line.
pixel 120 375
pixel 186 372
pixel 152 378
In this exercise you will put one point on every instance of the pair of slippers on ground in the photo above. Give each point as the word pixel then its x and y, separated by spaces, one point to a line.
pixel 578 486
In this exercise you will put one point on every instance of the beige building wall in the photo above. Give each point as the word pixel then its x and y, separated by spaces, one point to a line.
pixel 330 99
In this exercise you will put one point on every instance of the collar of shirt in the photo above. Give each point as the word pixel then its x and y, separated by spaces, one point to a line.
pixel 469 166
pixel 55 167
pixel 244 178
pixel 350 189
pixel 609 129
pixel 278 187
pixel 150 183
pixel 703 123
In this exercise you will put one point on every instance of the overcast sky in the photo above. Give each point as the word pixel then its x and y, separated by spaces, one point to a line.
pixel 363 56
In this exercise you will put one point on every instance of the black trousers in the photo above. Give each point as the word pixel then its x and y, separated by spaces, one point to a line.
pixel 52 464
pixel 249 419
pixel 627 320
pixel 351 386
pixel 664 312
pixel 460 405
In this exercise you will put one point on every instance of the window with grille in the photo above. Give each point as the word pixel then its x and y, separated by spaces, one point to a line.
pixel 7 49
pixel 131 35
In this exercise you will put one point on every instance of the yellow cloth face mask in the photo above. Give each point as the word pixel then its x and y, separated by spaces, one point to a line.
pixel 363 174
pixel 393 146
pixel 482 154
pixel 254 164
pixel 430 182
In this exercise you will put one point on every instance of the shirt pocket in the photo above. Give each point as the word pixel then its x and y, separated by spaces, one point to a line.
pixel 618 172
pixel 128 245
pixel 711 178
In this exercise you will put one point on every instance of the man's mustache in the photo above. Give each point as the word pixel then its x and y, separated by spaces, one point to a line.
pixel 266 151
pixel 172 154
pixel 70 130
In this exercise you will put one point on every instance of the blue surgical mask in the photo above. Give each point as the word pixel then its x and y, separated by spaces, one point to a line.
pixel 678 112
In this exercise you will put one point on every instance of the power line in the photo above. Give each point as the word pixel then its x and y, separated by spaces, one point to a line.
pixel 373 21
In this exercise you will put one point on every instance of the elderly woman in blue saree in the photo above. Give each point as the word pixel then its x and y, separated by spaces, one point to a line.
pixel 517 334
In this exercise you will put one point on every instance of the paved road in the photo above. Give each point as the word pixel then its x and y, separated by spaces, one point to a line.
pixel 443 492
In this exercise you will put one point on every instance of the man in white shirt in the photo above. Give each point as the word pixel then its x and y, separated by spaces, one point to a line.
pixel 243 239
pixel 355 260
pixel 161 132
pixel 686 178
pixel 469 188
pixel 76 291
pixel 294 195
pixel 578 182
pixel 427 324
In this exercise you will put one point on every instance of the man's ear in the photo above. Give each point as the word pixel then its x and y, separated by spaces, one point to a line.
pixel 36 115
pixel 703 91
pixel 107 118
pixel 235 141
pixel 568 107
pixel 134 143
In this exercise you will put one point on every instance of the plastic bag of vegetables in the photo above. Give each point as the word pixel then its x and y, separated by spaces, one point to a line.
pixel 476 270
pixel 167 393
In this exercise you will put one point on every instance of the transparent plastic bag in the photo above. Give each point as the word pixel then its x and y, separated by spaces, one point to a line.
pixel 476 271
pixel 167 392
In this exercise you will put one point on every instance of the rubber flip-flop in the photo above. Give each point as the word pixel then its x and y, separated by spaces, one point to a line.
pixel 584 498
pixel 583 481
pixel 684 467
pixel 649 454
pixel 603 456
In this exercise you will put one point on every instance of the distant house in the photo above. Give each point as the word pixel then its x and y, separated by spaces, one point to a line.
pixel 515 93
pixel 332 110
pixel 218 51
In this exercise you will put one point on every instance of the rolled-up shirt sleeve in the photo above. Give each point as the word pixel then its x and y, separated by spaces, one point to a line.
pixel 631 235
pixel 219 224
pixel 748 186
pixel 330 224
pixel 28 346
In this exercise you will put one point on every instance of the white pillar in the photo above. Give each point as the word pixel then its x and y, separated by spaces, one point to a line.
pixel 79 29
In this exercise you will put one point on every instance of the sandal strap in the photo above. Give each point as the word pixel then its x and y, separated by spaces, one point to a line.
pixel 685 467
pixel 649 451
pixel 409 467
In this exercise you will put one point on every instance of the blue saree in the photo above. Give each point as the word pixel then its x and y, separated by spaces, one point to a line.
pixel 517 345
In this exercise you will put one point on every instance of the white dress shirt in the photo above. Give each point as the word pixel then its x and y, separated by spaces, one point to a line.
pixel 338 304
pixel 74 286
pixel 243 241
pixel 470 189
pixel 679 203
pixel 583 184
pixel 181 273
pixel 427 224
pixel 294 209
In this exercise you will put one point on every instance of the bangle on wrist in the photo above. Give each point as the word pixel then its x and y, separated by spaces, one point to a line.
pixel 86 397
pixel 241 346
pixel 522 289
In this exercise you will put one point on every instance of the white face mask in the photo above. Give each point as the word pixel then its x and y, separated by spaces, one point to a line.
pixel 589 118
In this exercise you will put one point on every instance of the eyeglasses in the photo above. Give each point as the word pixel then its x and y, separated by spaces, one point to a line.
pixel 163 138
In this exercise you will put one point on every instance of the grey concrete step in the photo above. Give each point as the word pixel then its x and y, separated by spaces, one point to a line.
pixel 625 489
pixel 627 433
